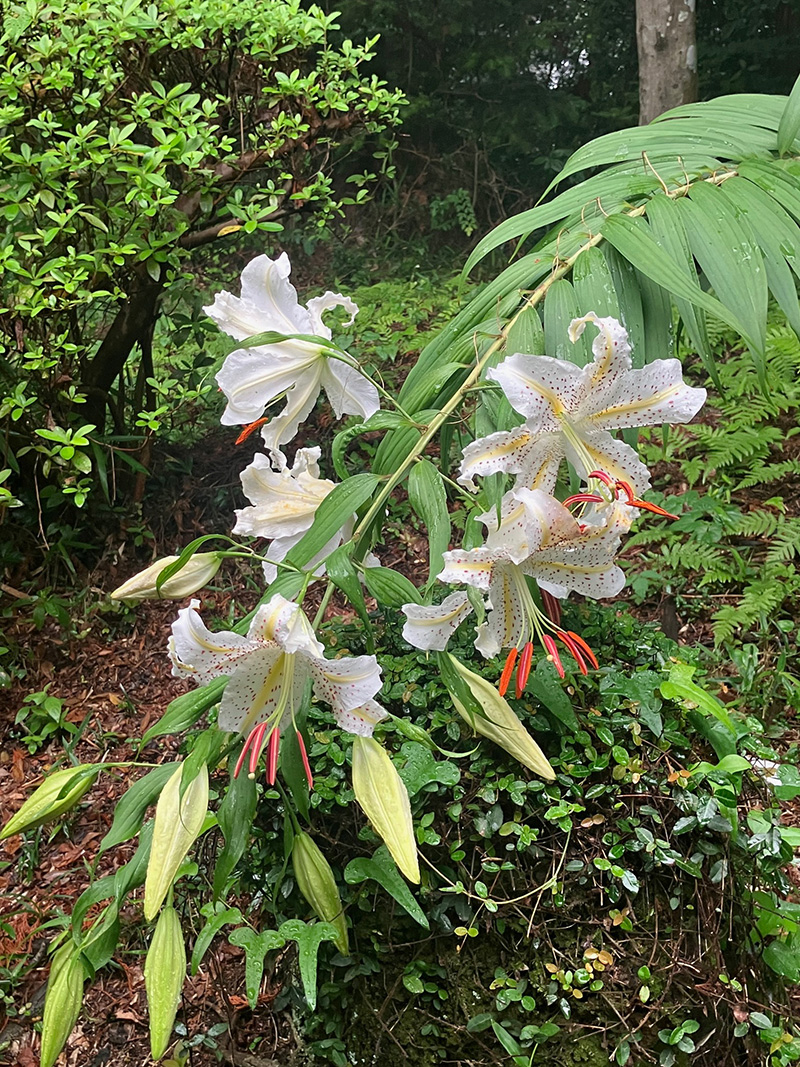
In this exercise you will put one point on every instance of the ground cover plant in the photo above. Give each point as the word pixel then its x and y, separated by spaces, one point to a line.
pixel 643 801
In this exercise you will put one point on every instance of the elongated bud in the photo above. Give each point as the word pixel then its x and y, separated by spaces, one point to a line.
pixel 164 972
pixel 62 1003
pixel 316 882
pixel 60 792
pixel 178 822
pixel 198 572
pixel 500 724
pixel 382 794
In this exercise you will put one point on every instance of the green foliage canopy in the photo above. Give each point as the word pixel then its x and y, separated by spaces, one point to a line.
pixel 133 135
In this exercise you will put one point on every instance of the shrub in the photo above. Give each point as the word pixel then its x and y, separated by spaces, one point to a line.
pixel 133 136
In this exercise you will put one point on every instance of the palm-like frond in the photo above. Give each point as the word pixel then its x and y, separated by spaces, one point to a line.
pixel 700 210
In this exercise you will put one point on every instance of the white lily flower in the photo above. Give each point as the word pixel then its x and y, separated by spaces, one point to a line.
pixel 252 378
pixel 430 626
pixel 569 411
pixel 537 537
pixel 285 500
pixel 268 670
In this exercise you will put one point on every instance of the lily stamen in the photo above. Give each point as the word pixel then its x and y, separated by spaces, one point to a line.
pixel 552 654
pixel 304 756
pixel 273 747
pixel 249 429
pixel 508 670
pixel 524 670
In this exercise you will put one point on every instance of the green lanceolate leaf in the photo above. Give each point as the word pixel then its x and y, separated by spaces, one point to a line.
pixel 594 285
pixel 390 588
pixel 560 308
pixel 789 126
pixel 339 568
pixel 626 283
pixel 130 810
pixel 724 245
pixel 235 816
pixel 427 496
pixel 184 711
pixel 634 240
pixel 774 230
pixel 381 420
pixel 383 870
pixel 666 223
pixel 216 916
pixel 332 514
pixel 526 334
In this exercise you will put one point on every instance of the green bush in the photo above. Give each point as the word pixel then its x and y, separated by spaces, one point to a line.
pixel 133 136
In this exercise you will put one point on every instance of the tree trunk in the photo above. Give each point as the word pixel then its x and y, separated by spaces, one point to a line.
pixel 132 325
pixel 667 46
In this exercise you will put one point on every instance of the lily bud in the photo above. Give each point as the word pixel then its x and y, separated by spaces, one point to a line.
pixel 198 572
pixel 316 882
pixel 383 797
pixel 60 792
pixel 62 1003
pixel 164 972
pixel 178 822
pixel 500 724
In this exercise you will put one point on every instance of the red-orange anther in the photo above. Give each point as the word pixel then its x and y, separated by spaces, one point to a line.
pixel 249 429
pixel 524 668
pixel 508 670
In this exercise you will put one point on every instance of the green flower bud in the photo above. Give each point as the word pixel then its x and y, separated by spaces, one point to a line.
pixel 178 822
pixel 316 882
pixel 380 791
pixel 198 572
pixel 164 972
pixel 500 724
pixel 62 1003
pixel 60 792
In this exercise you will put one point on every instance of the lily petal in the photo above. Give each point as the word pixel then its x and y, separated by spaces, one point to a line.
pixel 349 392
pixel 613 457
pixel 361 721
pixel 284 500
pixel 258 686
pixel 534 458
pixel 268 302
pixel 198 653
pixel 430 627
pixel 251 378
pixel 318 305
pixel 539 387
pixel 300 401
pixel 611 348
pixel 346 683
pixel 468 566
pixel 655 394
